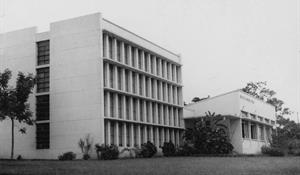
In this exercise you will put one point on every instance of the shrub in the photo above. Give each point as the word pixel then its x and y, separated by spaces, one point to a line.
pixel 67 156
pixel 271 151
pixel 209 135
pixel 148 149
pixel 106 152
pixel 186 150
pixel 168 149
pixel 85 145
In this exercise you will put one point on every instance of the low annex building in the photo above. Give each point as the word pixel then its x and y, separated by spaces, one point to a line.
pixel 249 120
pixel 93 77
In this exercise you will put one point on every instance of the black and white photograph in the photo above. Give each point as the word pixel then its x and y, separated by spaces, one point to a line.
pixel 154 87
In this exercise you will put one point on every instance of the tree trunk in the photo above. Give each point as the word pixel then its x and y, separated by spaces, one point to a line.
pixel 12 138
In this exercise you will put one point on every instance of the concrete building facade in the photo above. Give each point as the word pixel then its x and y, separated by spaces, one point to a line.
pixel 93 77
pixel 250 121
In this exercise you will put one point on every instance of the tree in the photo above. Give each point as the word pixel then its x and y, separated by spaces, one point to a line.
pixel 287 130
pixel 197 99
pixel 13 101
pixel 209 135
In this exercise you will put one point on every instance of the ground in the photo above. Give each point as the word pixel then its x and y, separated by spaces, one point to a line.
pixel 172 165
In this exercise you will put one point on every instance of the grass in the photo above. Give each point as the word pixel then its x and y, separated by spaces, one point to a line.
pixel 172 165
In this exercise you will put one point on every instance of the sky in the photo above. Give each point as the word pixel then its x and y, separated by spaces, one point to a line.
pixel 223 43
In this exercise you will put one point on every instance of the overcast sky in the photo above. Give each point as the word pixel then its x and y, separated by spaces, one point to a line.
pixel 224 43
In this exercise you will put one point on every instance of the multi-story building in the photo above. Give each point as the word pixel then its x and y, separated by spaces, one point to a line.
pixel 250 121
pixel 93 77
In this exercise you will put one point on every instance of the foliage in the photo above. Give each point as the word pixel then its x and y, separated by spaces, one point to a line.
pixel 106 152
pixel 168 149
pixel 209 135
pixel 67 156
pixel 13 101
pixel 86 145
pixel 186 150
pixel 287 130
pixel 197 99
pixel 148 149
pixel 271 151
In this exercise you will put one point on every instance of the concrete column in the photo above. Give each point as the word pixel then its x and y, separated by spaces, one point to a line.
pixel 176 116
pixel 155 112
pixel 151 134
pixel 117 133
pixel 175 96
pixel 122 52
pixel 139 142
pixel 124 135
pixel 142 60
pixel 160 67
pixel 162 114
pixel 145 111
pixel 138 109
pixel 154 86
pixel 136 56
pixel 105 45
pixel 166 69
pixel 249 128
pixel 150 112
pixel 167 115
pixel 108 132
pixel 115 79
pixel 131 135
pixel 163 135
pixel 130 82
pixel 116 104
pixel 108 104
pixel 174 73
pixel 124 107
pixel 123 80
pixel 144 85
pixel 129 55
pixel 107 74
pixel 170 71
pixel 154 65
pixel 172 117
pixel 130 108
pixel 167 135
pixel 114 49
pixel 145 134
pixel 161 90
pixel 171 94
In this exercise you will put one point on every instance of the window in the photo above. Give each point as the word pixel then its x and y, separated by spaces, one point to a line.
pixel 163 63
pixel 132 56
pixel 127 80
pixel 158 90
pixel 148 133
pixel 120 79
pixel 105 103
pixel 42 136
pixel 43 52
pixel 140 59
pixel 147 86
pixel 105 74
pixel 112 113
pixel 120 134
pixel 262 133
pixel 153 112
pixel 110 46
pixel 42 107
pixel 153 88
pixel 127 108
pixel 134 109
pixel 141 83
pixel 152 64
pixel 112 132
pixel 134 76
pixel 157 66
pixel 159 114
pixel 128 135
pixel 135 129
pixel 120 106
pixel 111 76
pixel 245 129
pixel 147 111
pixel 253 131
pixel 43 80
pixel 142 134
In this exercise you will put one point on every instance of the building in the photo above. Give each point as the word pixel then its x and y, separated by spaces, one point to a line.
pixel 93 77
pixel 249 120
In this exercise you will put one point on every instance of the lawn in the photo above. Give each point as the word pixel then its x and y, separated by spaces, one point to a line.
pixel 173 165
